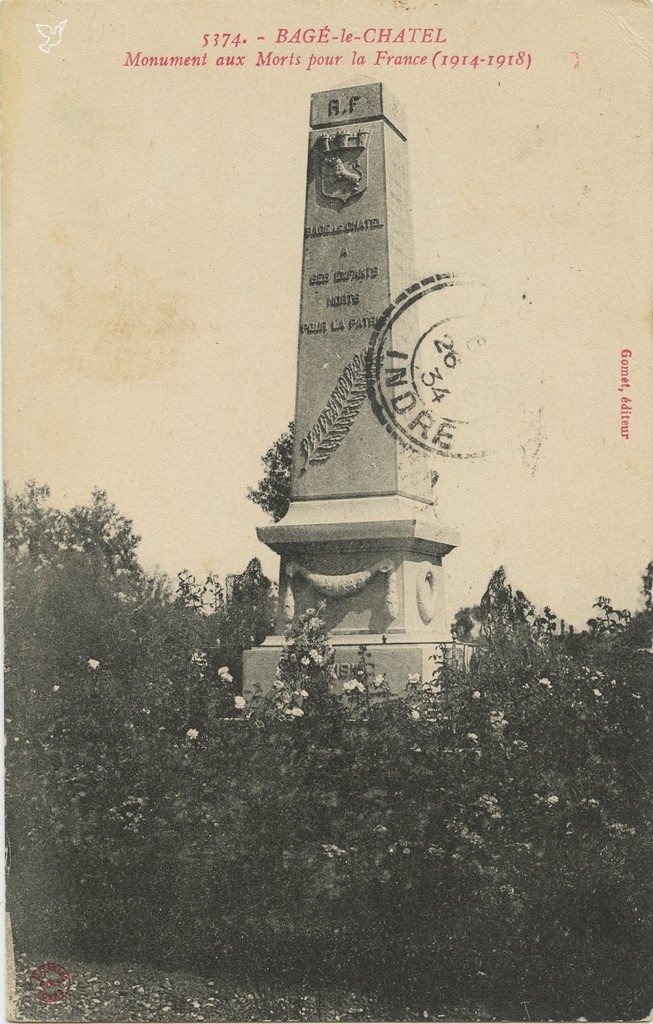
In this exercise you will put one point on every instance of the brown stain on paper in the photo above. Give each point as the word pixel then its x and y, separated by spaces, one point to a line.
pixel 125 332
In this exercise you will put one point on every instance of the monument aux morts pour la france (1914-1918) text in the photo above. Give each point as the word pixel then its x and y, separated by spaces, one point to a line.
pixel 361 533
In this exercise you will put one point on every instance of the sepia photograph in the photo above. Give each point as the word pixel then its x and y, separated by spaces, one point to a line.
pixel 328 508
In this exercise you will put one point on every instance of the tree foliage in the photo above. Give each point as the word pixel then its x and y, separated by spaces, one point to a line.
pixel 500 609
pixel 35 529
pixel 273 491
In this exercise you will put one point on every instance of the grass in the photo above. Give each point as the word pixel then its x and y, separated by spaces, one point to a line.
pixel 131 992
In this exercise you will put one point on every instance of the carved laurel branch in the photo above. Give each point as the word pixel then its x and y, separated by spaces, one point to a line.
pixel 334 422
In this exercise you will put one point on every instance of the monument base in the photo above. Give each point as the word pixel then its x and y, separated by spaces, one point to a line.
pixel 395 657
pixel 373 565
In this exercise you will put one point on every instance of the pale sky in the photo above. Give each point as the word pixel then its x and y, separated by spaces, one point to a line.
pixel 152 257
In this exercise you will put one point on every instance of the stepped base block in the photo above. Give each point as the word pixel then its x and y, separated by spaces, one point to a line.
pixel 382 519
pixel 397 658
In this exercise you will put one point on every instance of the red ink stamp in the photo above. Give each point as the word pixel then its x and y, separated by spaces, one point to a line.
pixel 50 983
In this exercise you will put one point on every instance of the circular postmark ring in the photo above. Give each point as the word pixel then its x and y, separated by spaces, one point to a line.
pixel 50 982
pixel 377 355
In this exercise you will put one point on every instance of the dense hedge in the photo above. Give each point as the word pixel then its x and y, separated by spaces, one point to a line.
pixel 493 848
pixel 485 840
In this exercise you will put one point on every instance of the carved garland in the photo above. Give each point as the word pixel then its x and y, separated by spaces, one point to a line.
pixel 341 586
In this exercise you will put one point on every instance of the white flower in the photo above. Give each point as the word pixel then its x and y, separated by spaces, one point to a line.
pixel 353 684
pixel 225 675
pixel 297 712
pixel 545 682
pixel 55 688
pixel 490 804
pixel 472 736
pixel 306 661
pixel 597 693
pixel 621 829
pixel 551 800
pixel 192 734
pixel 92 663
pixel 332 850
pixel 304 693
pixel 476 695
pixel 316 656
pixel 239 702
pixel 379 679
pixel 415 714
pixel 414 677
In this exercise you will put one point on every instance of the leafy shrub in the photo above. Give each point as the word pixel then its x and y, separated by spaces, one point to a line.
pixel 485 840
pixel 101 662
pixel 273 491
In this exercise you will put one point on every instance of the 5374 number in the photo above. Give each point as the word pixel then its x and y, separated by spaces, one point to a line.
pixel 223 39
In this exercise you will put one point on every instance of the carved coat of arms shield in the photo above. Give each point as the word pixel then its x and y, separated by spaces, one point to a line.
pixel 343 165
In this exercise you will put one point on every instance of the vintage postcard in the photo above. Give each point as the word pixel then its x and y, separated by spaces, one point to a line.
pixel 328 576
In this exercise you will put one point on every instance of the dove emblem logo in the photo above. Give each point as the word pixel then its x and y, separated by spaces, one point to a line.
pixel 52 36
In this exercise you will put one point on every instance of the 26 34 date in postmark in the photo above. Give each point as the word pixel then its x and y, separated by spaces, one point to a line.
pixel 438 380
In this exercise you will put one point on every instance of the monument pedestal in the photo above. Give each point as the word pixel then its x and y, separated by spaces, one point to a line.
pixel 361 533
pixel 376 564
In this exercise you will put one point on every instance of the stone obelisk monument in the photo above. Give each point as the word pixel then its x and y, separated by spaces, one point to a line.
pixel 361 533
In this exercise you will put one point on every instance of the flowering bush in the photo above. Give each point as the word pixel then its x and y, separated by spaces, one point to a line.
pixel 483 841
pixel 422 696
pixel 367 690
pixel 105 668
pixel 305 670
